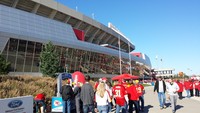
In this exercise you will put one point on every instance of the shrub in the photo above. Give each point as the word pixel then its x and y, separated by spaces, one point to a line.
pixel 4 66
pixel 49 60
pixel 13 86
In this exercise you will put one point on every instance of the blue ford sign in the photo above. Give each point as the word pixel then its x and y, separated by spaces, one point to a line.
pixel 15 103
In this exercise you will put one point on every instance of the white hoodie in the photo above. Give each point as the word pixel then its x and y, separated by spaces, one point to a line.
pixel 172 88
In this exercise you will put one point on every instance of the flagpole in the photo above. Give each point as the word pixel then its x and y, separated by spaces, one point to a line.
pixel 129 58
pixel 120 63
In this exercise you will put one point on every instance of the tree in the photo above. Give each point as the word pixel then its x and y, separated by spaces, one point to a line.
pixel 49 60
pixel 4 66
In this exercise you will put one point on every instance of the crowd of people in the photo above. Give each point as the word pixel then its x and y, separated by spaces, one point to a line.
pixel 121 95
pixel 172 89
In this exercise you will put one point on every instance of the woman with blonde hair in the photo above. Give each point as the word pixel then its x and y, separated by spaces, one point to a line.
pixel 102 98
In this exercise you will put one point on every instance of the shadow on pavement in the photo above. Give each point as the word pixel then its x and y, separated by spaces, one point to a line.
pixel 146 108
pixel 179 107
pixel 168 105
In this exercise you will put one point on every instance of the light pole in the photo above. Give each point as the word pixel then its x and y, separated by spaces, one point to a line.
pixel 157 61
pixel 120 59
pixel 129 55
pixel 93 16
pixel 189 70
pixel 159 65
pixel 66 67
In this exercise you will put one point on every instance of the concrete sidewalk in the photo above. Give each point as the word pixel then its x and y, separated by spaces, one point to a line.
pixel 185 105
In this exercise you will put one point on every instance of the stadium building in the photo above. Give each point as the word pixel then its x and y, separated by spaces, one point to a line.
pixel 83 43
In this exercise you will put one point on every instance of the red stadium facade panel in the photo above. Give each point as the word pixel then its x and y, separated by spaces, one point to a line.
pixel 79 34
pixel 137 54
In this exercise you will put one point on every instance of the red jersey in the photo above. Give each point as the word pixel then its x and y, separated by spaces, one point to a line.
pixel 119 93
pixel 40 97
pixel 199 86
pixel 196 84
pixel 191 85
pixel 187 85
pixel 180 85
pixel 132 93
pixel 139 89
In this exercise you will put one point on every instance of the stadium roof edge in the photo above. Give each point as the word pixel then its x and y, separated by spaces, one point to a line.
pixel 64 9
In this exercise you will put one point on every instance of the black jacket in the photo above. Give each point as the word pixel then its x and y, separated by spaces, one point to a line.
pixel 156 87
pixel 77 91
pixel 67 92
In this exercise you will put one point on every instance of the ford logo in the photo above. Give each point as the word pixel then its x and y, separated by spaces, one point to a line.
pixel 15 103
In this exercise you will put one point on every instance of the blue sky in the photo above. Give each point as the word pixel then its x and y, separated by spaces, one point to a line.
pixel 168 29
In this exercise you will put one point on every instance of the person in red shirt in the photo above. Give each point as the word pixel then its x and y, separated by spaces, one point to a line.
pixel 191 84
pixel 199 88
pixel 133 97
pixel 40 101
pixel 121 97
pixel 180 91
pixel 40 96
pixel 140 91
pixel 187 87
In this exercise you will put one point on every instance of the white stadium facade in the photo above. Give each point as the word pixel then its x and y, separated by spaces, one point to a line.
pixel 83 43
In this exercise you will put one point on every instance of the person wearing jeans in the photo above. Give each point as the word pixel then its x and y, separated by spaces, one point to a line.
pixel 188 93
pixel 133 97
pixel 67 104
pixel 67 96
pixel 141 100
pixel 161 98
pixel 87 96
pixel 88 107
pixel 102 98
pixel 78 102
pixel 123 108
pixel 103 109
pixel 187 86
pixel 120 94
pixel 160 87
pixel 140 91
pixel 40 101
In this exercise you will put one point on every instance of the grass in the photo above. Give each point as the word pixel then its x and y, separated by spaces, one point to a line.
pixel 13 86
pixel 145 85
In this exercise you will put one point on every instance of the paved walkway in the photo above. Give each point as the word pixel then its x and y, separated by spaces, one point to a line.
pixel 191 105
pixel 185 105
